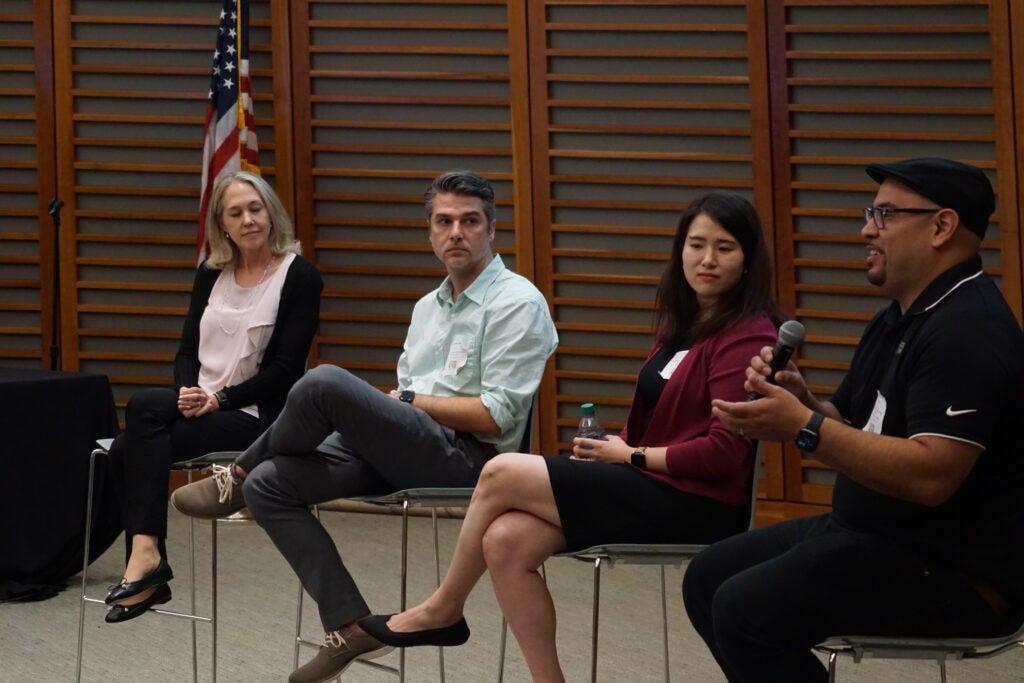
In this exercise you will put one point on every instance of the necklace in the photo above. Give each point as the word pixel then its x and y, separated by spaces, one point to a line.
pixel 238 307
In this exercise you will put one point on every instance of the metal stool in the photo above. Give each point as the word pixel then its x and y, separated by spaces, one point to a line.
pixel 940 650
pixel 188 466
pixel 638 553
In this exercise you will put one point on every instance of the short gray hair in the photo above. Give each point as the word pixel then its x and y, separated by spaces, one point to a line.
pixel 461 182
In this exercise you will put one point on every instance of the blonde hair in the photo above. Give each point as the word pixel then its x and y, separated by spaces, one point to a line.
pixel 224 252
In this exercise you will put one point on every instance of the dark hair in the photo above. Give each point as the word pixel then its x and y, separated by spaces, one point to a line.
pixel 677 309
pixel 465 183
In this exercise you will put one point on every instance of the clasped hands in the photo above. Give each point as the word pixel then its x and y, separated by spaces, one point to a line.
pixel 194 402
pixel 781 412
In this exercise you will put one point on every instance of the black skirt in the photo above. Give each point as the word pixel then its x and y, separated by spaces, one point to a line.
pixel 601 503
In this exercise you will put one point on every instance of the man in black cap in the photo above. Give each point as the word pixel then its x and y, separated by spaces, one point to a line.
pixel 924 537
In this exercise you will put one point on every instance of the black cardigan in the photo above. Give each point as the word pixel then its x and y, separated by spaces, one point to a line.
pixel 284 361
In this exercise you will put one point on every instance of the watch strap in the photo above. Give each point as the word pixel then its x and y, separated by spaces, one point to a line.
pixel 808 437
pixel 638 458
pixel 223 400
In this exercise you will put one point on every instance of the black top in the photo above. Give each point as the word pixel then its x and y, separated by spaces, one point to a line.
pixel 953 366
pixel 284 360
pixel 650 383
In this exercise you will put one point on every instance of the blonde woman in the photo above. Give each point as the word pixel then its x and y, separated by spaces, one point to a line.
pixel 253 313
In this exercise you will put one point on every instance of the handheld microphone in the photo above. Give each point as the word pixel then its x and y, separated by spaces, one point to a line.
pixel 791 336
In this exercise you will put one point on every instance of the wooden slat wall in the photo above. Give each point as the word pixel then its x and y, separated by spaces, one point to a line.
pixel 27 182
pixel 597 121
pixel 639 107
pixel 868 81
pixel 131 84
pixel 396 93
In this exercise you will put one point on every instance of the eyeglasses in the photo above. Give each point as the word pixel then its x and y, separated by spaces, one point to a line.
pixel 878 214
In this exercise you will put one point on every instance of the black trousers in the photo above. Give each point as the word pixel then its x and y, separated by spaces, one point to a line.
pixel 762 599
pixel 156 436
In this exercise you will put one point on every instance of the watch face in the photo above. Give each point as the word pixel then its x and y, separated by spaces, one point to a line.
pixel 806 440
pixel 407 396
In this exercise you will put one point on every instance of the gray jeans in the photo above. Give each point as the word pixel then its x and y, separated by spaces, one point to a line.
pixel 338 437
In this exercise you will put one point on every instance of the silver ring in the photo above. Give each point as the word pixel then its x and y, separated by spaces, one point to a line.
pixel 741 432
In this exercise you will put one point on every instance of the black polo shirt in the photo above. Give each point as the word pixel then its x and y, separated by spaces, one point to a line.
pixel 953 366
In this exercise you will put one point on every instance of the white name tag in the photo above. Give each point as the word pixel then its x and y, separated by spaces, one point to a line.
pixel 457 357
pixel 671 366
pixel 874 424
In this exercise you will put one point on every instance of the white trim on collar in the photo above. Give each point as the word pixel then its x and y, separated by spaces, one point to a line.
pixel 951 290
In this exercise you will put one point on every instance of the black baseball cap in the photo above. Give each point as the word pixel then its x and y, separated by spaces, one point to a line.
pixel 950 184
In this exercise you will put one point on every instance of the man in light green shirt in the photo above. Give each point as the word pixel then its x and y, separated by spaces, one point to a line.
pixel 472 361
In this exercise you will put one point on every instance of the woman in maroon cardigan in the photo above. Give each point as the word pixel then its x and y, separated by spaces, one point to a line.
pixel 675 474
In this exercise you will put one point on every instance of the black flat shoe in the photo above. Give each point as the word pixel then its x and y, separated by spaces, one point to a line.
pixel 128 589
pixel 377 626
pixel 119 613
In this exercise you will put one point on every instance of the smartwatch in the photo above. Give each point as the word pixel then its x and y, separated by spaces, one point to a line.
pixel 638 458
pixel 407 396
pixel 807 438
pixel 222 400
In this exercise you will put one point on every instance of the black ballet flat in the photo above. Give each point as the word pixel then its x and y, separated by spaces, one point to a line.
pixel 119 613
pixel 128 589
pixel 377 626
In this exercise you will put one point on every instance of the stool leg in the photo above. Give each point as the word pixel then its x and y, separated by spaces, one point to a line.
pixel 942 670
pixel 437 576
pixel 192 588
pixel 213 596
pixel 664 621
pixel 501 648
pixel 298 628
pixel 85 560
pixel 405 578
pixel 594 620
pixel 832 667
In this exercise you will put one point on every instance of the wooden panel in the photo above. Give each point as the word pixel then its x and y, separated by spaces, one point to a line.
pixel 388 96
pixel 638 107
pixel 132 83
pixel 27 182
pixel 858 82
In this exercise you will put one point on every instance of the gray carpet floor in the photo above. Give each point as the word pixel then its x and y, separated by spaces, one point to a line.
pixel 257 593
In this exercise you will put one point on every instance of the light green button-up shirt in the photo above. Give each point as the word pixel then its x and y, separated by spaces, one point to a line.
pixel 492 342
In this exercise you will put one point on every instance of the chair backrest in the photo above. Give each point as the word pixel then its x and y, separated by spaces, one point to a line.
pixel 526 443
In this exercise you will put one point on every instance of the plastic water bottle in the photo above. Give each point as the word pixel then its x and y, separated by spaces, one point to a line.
pixel 590 423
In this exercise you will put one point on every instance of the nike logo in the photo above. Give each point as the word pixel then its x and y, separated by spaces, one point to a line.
pixel 954 413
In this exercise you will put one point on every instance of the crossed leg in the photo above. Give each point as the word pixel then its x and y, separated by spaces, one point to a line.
pixel 511 527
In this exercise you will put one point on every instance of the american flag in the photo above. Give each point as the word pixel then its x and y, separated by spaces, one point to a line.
pixel 229 140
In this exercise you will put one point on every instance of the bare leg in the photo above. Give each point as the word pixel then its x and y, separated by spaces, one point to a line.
pixel 144 559
pixel 515 545
pixel 510 481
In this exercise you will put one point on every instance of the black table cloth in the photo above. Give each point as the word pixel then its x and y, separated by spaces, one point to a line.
pixel 49 423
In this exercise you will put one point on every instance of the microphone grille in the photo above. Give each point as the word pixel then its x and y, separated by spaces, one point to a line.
pixel 791 333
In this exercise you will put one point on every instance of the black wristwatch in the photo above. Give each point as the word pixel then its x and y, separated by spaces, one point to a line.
pixel 638 458
pixel 223 400
pixel 807 438
pixel 407 396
